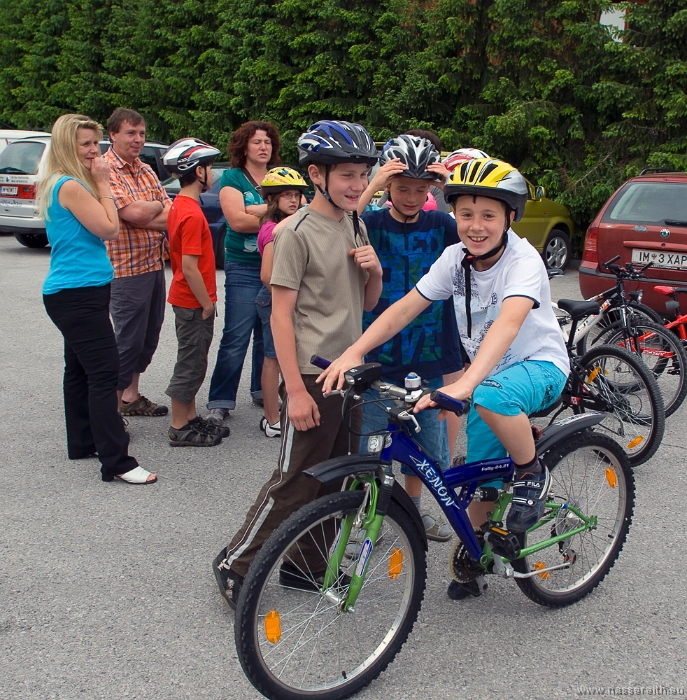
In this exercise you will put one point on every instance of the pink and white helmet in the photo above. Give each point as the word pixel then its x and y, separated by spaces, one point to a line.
pixel 454 159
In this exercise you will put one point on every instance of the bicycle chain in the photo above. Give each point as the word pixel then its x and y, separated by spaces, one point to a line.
pixel 460 567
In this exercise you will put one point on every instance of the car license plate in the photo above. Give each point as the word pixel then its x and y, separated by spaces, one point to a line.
pixel 660 258
pixel 8 191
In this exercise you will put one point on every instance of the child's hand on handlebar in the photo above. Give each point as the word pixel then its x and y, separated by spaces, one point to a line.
pixel 458 390
pixel 333 377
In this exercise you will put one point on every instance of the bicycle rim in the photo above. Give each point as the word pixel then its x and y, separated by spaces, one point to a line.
pixel 590 475
pixel 320 649
pixel 616 382
pixel 663 355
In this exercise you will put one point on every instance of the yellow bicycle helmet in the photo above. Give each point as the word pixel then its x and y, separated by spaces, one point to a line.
pixel 488 177
pixel 281 179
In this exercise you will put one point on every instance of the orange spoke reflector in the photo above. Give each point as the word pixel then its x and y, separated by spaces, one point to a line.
pixel 632 444
pixel 611 477
pixel 395 563
pixel 273 627
pixel 540 565
pixel 593 374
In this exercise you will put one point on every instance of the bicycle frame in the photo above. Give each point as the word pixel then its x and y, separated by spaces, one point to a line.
pixel 442 485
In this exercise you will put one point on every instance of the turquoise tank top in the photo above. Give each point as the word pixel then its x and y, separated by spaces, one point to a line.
pixel 78 258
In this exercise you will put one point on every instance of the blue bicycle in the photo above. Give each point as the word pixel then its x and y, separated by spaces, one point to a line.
pixel 334 592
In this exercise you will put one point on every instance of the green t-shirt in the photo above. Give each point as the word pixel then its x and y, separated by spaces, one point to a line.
pixel 241 247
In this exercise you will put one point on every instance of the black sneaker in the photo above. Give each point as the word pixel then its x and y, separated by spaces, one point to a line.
pixel 228 581
pixel 529 499
pixel 460 591
pixel 210 428
pixel 293 577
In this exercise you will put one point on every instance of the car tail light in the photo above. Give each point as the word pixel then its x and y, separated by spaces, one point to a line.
pixel 591 247
pixel 26 192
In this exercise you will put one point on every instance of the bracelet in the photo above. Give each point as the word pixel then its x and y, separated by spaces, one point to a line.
pixel 106 196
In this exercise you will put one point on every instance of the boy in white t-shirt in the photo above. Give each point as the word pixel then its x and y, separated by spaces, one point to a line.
pixel 502 302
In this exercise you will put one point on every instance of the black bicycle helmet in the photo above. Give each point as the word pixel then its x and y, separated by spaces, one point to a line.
pixel 415 153
pixel 333 142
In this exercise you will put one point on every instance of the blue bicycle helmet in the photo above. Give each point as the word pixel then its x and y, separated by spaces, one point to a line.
pixel 333 142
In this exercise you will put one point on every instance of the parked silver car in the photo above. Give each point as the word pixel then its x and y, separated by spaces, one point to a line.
pixel 20 167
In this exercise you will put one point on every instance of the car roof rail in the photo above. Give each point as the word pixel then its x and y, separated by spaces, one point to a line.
pixel 650 171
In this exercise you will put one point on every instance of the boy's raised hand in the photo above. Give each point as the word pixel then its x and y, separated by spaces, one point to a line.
pixel 440 170
pixel 390 169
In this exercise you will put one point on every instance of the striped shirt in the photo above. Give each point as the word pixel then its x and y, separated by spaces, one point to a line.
pixel 136 250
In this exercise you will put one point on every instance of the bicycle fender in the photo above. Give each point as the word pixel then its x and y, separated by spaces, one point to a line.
pixel 339 468
pixel 563 429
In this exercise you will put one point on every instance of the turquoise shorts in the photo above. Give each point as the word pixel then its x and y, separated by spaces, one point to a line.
pixel 525 387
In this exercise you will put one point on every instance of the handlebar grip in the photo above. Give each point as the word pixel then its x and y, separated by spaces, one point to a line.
pixel 450 404
pixel 319 362
pixel 612 260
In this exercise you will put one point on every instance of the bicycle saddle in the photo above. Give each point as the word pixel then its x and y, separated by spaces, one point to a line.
pixel 665 289
pixel 579 309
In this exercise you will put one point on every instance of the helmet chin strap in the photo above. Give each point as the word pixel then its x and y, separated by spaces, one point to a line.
pixel 468 262
pixel 204 182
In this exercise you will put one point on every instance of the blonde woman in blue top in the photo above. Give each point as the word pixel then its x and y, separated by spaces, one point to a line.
pixel 79 212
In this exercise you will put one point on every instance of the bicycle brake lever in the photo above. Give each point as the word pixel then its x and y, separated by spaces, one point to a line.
pixel 405 415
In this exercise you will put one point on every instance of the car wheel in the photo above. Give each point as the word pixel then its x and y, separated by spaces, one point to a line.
pixel 557 250
pixel 39 240
pixel 219 249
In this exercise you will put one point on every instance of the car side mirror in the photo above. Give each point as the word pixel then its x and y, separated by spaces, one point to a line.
pixel 539 192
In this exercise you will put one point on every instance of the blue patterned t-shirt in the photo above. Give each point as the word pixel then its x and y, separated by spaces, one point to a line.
pixel 430 344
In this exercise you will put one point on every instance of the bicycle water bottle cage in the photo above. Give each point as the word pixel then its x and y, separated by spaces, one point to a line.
pixel 579 309
pixel 362 376
pixel 503 543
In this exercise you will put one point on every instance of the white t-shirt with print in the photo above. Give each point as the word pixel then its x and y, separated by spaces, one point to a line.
pixel 520 271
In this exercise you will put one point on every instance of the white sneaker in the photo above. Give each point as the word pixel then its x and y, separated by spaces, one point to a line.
pixel 216 416
pixel 271 430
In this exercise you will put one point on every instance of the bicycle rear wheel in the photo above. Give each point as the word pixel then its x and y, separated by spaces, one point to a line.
pixel 590 474
pixel 613 317
pixel 661 352
pixel 616 382
pixel 293 641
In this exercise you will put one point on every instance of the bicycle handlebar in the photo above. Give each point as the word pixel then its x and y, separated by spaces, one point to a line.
pixel 629 271
pixel 448 403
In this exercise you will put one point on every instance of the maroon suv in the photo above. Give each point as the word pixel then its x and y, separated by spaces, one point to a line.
pixel 644 221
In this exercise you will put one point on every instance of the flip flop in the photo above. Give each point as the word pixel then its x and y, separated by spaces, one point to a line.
pixel 137 476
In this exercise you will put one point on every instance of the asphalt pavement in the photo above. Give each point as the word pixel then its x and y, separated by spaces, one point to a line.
pixel 106 589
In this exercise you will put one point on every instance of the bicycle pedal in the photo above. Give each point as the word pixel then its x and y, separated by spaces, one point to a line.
pixel 503 543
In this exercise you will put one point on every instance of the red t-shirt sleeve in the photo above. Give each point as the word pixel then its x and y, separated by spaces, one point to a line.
pixel 190 231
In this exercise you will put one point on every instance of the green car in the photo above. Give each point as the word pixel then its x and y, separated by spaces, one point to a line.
pixel 547 226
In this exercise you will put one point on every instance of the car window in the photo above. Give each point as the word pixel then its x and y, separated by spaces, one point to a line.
pixel 147 155
pixel 21 158
pixel 649 203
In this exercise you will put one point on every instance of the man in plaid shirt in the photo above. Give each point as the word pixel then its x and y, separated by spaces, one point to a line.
pixel 137 302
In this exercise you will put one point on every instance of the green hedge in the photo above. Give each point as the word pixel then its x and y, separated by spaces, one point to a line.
pixel 539 83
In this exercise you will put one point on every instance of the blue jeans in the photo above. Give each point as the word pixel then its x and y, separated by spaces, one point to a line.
pixel 433 437
pixel 264 304
pixel 242 284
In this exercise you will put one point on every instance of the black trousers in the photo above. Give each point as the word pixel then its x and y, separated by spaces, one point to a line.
pixel 91 371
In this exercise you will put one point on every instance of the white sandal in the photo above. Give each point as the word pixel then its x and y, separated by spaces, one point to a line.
pixel 139 475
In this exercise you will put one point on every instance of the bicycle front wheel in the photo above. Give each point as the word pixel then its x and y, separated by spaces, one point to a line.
pixel 591 477
pixel 612 318
pixel 616 382
pixel 661 352
pixel 293 640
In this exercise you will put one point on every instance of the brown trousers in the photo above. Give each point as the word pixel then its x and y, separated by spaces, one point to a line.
pixel 289 489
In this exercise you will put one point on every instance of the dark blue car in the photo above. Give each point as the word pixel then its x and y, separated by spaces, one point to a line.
pixel 209 203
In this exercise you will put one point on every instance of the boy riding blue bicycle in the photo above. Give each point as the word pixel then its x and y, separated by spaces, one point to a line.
pixel 502 303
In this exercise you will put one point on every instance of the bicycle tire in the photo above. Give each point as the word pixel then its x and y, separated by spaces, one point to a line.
pixel 612 317
pixel 662 353
pixel 580 478
pixel 344 652
pixel 618 383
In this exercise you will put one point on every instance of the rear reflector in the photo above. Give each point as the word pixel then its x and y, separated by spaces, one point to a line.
pixel 591 252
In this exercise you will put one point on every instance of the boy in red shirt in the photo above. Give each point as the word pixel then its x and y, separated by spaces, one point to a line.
pixel 193 291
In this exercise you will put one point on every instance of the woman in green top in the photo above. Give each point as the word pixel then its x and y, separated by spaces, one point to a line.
pixel 254 148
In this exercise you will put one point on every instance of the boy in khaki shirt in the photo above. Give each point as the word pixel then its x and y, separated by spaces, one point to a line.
pixel 325 274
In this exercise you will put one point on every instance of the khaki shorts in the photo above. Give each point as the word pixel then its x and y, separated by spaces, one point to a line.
pixel 195 336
